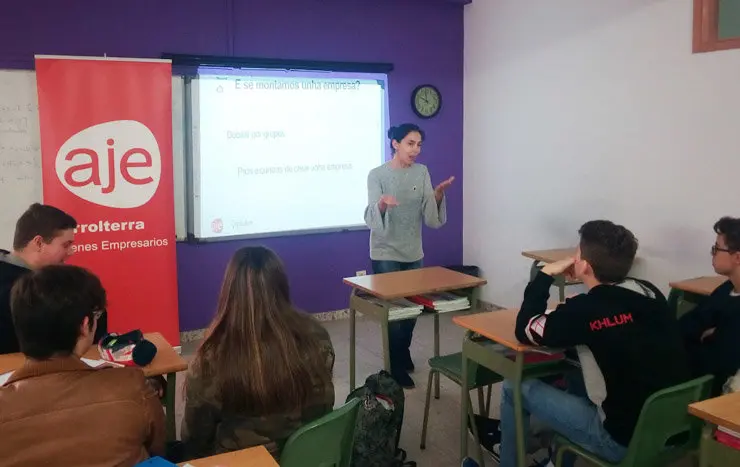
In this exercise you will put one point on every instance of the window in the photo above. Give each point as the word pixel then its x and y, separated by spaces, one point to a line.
pixel 716 25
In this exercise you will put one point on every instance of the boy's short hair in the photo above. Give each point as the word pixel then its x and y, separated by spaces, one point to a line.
pixel 609 248
pixel 49 306
pixel 43 220
pixel 729 227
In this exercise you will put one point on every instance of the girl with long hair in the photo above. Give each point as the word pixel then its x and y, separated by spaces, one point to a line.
pixel 264 368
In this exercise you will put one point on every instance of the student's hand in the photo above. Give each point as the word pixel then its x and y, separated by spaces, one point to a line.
pixel 564 266
pixel 439 190
pixel 387 200
pixel 707 333
pixel 157 385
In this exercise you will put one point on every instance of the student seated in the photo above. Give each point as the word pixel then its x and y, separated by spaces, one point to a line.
pixel 56 410
pixel 264 368
pixel 712 329
pixel 628 343
pixel 43 235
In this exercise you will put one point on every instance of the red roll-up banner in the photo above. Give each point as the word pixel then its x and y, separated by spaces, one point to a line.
pixel 106 158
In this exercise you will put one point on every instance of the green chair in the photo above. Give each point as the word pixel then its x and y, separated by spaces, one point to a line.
pixel 478 378
pixel 683 302
pixel 325 442
pixel 665 431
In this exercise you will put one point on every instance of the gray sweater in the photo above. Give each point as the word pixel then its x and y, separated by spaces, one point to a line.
pixel 395 235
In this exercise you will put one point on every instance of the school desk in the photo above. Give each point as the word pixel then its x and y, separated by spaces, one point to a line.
pixel 498 326
pixel 719 411
pixel 394 285
pixel 692 291
pixel 252 457
pixel 542 257
pixel 166 362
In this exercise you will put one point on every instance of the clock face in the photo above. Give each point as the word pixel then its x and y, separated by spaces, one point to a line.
pixel 427 101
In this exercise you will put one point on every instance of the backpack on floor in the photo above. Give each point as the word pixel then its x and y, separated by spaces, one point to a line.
pixel 379 423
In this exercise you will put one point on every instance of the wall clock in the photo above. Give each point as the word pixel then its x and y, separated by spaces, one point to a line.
pixel 426 101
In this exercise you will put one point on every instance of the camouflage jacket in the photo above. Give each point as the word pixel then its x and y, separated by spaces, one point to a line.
pixel 206 430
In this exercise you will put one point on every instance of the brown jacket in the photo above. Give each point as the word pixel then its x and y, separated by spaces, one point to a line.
pixel 61 412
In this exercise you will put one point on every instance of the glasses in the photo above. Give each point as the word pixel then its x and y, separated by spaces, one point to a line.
pixel 716 249
pixel 98 313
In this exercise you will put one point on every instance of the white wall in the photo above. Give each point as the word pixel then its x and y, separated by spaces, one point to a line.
pixel 583 109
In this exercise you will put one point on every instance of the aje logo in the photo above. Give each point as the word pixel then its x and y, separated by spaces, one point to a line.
pixel 115 164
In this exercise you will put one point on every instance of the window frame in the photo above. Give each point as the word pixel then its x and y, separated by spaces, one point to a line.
pixel 706 29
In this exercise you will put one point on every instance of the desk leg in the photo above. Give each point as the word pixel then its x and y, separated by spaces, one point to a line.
pixel 675 297
pixel 560 282
pixel 464 402
pixel 352 314
pixel 386 345
pixel 436 354
pixel 704 446
pixel 169 404
pixel 534 269
pixel 474 297
pixel 518 412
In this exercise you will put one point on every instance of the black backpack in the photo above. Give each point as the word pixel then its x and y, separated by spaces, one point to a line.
pixel 379 423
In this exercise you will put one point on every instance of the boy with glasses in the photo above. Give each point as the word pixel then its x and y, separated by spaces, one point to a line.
pixel 55 408
pixel 712 329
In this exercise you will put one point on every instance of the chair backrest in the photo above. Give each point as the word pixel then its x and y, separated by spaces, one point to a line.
pixel 665 430
pixel 325 442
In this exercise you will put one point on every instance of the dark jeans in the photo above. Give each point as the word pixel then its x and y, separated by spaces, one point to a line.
pixel 399 332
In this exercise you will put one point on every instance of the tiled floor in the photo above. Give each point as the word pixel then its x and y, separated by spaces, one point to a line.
pixel 443 437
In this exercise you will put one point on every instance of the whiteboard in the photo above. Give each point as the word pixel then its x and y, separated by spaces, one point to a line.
pixel 20 151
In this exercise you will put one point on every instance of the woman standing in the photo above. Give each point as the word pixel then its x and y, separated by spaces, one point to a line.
pixel 264 368
pixel 400 194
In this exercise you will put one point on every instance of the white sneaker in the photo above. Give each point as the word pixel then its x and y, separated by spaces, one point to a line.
pixel 495 452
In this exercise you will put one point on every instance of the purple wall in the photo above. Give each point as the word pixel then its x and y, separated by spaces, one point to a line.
pixel 422 38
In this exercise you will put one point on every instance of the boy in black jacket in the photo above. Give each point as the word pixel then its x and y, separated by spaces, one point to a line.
pixel 712 329
pixel 628 343
pixel 44 235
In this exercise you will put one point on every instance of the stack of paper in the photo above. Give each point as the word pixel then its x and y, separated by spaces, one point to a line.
pixel 442 302
pixel 397 309
pixel 533 355
pixel 97 363
pixel 728 437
